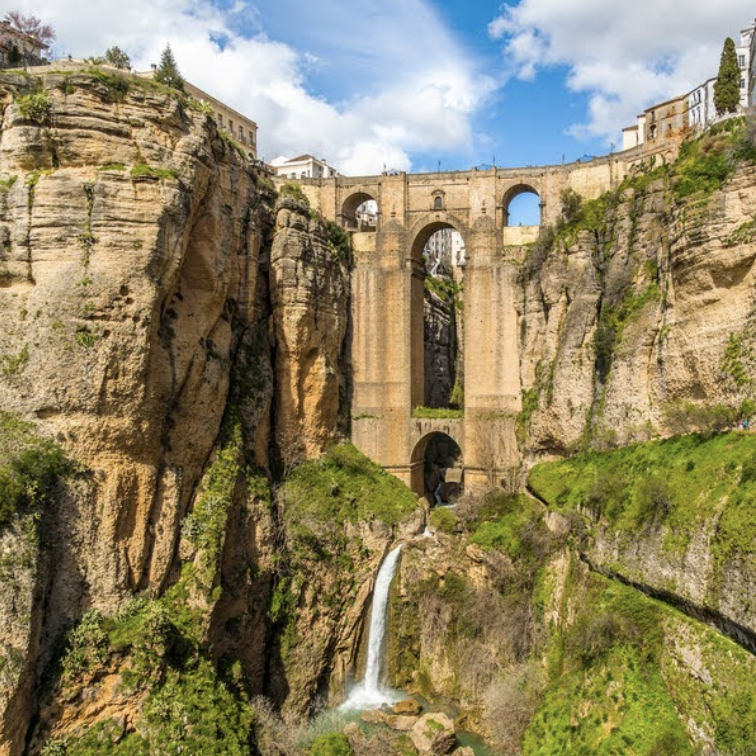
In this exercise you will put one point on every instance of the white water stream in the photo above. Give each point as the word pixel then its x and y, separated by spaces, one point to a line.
pixel 369 693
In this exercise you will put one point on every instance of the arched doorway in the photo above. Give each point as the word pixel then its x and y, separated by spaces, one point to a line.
pixel 359 212
pixel 522 206
pixel 441 458
pixel 440 257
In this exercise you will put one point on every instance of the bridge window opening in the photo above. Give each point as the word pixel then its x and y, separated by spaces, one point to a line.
pixel 523 207
pixel 438 203
pixel 442 470
pixel 443 258
pixel 360 213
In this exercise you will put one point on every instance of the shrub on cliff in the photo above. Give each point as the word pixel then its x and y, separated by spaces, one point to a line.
pixel 344 486
pixel 29 466
pixel 334 744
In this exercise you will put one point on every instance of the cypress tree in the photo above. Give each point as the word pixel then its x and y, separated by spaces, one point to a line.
pixel 727 85
pixel 167 72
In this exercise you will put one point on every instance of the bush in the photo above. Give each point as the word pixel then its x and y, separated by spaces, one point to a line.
pixel 444 520
pixel 29 467
pixel 334 744
pixel 295 192
pixel 35 107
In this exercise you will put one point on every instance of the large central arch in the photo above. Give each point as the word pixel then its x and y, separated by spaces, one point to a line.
pixel 420 235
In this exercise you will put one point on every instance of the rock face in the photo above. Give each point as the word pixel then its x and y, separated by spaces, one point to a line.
pixel 135 292
pixel 661 287
pixel 309 289
pixel 440 351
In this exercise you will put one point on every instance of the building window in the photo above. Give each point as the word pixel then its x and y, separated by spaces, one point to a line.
pixel 231 127
pixel 741 61
pixel 742 83
pixel 241 133
pixel 438 203
pixel 220 120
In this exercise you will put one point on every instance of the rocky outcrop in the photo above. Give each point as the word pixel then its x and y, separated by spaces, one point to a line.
pixel 623 318
pixel 309 288
pixel 142 301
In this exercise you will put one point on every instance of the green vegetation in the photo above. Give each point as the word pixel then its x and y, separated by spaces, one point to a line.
pixel 6 184
pixel 85 337
pixel 188 708
pixel 334 744
pixel 344 486
pixel 703 165
pixel 14 364
pixel 679 483
pixel 112 167
pixel 35 107
pixel 437 413
pixel 446 289
pixel 733 362
pixel 727 85
pixel 506 522
pixel 444 520
pixel 294 191
pixel 745 233
pixel 606 694
pixel 117 57
pixel 204 527
pixel 339 244
pixel 167 71
pixel 30 466
pixel 142 170
pixel 612 322
pixel 116 84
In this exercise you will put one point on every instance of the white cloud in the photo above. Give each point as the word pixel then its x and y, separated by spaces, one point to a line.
pixel 625 55
pixel 410 85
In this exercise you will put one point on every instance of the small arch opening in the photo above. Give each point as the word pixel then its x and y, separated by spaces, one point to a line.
pixel 443 479
pixel 522 206
pixel 360 212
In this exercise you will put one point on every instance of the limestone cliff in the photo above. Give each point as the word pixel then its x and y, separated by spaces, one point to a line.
pixel 632 311
pixel 141 295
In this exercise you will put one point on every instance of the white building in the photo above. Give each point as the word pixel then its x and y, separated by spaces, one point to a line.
pixel 445 249
pixel 744 53
pixel 701 109
pixel 304 166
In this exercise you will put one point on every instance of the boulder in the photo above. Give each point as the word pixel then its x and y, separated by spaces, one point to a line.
pixel 374 717
pixel 408 706
pixel 400 722
pixel 433 734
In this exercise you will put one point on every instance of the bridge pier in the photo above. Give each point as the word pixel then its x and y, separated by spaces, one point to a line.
pixel 387 303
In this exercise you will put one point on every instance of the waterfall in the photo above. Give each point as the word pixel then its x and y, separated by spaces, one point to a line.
pixel 369 693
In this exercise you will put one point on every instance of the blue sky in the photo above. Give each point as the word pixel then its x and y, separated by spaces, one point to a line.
pixel 414 84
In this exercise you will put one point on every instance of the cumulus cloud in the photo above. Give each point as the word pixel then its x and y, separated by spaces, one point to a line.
pixel 625 55
pixel 405 82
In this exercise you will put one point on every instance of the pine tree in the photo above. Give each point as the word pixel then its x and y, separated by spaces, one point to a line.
pixel 727 85
pixel 167 72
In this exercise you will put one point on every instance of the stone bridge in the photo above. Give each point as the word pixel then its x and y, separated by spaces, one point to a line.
pixel 387 349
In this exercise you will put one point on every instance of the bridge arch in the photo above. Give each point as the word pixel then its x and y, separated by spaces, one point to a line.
pixel 513 193
pixel 423 229
pixel 355 210
pixel 437 462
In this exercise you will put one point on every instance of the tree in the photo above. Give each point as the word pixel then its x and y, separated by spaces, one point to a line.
pixel 727 85
pixel 32 26
pixel 117 57
pixel 167 72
